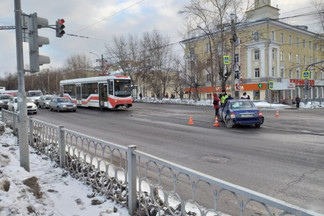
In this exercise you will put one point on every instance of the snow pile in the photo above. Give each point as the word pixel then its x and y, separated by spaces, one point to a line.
pixel 312 105
pixel 47 189
pixel 264 104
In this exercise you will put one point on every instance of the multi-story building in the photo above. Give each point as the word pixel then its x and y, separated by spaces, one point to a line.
pixel 270 55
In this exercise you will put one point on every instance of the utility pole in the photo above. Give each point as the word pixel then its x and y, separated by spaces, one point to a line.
pixel 233 40
pixel 22 105
pixel 102 64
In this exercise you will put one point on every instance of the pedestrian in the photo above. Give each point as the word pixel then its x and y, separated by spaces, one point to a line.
pixel 223 97
pixel 229 98
pixel 140 95
pixel 216 104
pixel 297 101
pixel 245 96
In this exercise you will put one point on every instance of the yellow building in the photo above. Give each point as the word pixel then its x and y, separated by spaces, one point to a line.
pixel 268 54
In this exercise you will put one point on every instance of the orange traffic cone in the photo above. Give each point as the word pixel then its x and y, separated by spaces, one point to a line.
pixel 277 114
pixel 216 122
pixel 190 121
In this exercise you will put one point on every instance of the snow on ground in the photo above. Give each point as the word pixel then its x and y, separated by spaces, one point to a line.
pixel 258 104
pixel 56 193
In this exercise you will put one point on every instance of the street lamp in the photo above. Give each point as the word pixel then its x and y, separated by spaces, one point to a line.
pixel 211 58
pixel 100 60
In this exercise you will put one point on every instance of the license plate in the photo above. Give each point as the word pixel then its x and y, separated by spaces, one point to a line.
pixel 246 115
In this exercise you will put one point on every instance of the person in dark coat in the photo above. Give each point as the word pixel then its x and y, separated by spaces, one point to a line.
pixel 216 104
pixel 245 96
pixel 297 101
pixel 229 98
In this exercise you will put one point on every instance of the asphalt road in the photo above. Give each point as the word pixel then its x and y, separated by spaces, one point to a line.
pixel 283 159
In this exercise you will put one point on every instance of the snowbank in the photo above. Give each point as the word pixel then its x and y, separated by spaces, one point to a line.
pixel 47 189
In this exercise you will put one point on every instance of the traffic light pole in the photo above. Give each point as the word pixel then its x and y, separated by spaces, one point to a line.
pixel 22 105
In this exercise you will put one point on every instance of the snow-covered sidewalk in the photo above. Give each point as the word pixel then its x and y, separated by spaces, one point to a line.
pixel 47 189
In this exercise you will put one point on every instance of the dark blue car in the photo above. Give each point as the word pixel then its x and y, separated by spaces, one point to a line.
pixel 240 112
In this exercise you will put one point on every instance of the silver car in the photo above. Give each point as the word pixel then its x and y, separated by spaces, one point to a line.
pixel 44 100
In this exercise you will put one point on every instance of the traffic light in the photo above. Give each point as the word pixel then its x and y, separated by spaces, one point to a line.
pixel 35 41
pixel 60 27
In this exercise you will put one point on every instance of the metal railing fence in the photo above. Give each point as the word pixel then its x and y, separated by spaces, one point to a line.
pixel 146 184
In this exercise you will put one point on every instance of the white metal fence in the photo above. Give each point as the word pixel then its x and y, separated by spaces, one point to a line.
pixel 146 184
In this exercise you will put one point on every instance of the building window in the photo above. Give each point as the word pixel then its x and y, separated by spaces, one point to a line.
pixel 255 36
pixel 282 73
pixel 192 51
pixel 304 43
pixel 236 58
pixel 273 72
pixel 207 47
pixel 297 58
pixel 310 44
pixel 315 46
pixel 297 74
pixel 273 54
pixel 290 74
pixel 256 54
pixel 256 72
pixel 273 35
pixel 304 59
pixel 315 76
pixel 208 77
pixel 290 40
pixel 315 59
pixel 281 37
pixel 290 57
pixel 297 41
pixel 310 60
pixel 219 46
pixel 282 57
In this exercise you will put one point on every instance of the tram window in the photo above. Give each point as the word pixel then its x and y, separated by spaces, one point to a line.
pixel 122 88
pixel 69 89
pixel 87 89
pixel 111 85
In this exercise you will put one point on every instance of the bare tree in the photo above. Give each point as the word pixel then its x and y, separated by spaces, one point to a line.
pixel 213 17
pixel 319 6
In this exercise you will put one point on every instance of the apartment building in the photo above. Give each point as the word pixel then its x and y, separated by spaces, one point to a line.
pixel 270 55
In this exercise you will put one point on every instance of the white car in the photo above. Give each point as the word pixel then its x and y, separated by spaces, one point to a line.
pixel 13 105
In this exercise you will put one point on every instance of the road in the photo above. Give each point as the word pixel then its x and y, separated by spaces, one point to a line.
pixel 283 159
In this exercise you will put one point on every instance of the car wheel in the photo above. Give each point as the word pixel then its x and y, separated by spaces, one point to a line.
pixel 229 123
pixel 58 109
pixel 257 125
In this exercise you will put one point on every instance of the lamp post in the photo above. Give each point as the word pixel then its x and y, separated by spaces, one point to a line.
pixel 233 40
pixel 211 59
pixel 100 60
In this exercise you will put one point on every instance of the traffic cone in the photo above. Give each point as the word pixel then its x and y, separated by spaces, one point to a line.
pixel 190 121
pixel 216 122
pixel 277 114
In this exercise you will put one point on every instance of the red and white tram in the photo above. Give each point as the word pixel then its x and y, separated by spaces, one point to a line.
pixel 102 91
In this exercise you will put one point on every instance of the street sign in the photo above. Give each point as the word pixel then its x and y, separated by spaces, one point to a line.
pixel 306 75
pixel 270 85
pixel 226 59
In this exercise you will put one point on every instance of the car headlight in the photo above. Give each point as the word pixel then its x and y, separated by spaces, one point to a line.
pixel 74 105
pixel 47 102
pixel 64 106
pixel 233 115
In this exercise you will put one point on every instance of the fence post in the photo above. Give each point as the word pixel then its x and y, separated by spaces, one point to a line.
pixel 131 165
pixel 14 123
pixel 31 131
pixel 61 142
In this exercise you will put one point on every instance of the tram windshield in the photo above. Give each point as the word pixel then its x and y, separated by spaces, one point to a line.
pixel 122 88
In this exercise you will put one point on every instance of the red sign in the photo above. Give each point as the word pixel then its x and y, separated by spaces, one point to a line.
pixel 302 82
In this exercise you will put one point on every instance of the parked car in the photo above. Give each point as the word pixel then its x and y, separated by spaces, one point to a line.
pixel 4 99
pixel 34 95
pixel 62 104
pixel 13 105
pixel 241 112
pixel 44 100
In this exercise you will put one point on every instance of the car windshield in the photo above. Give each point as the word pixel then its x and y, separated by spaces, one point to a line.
pixel 242 105
pixel 63 100
pixel 32 94
pixel 49 98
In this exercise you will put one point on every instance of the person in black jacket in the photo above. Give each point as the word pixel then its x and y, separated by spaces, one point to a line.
pixel 297 101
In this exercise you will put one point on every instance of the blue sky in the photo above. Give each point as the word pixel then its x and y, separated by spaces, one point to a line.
pixel 100 20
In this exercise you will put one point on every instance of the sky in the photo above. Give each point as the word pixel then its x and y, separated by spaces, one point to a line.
pixel 100 20
pixel 61 195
